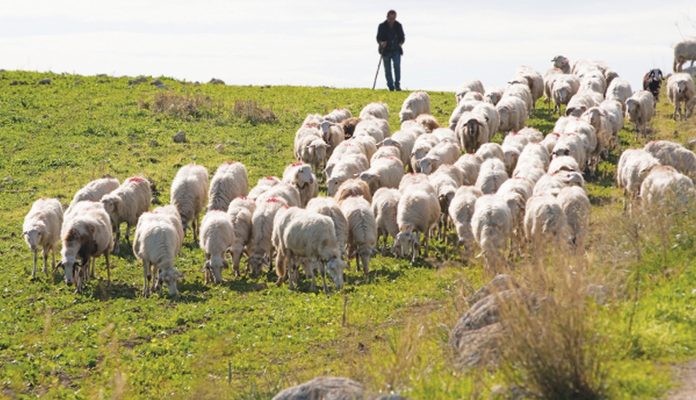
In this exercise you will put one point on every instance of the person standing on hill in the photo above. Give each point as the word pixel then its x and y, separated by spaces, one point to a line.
pixel 390 36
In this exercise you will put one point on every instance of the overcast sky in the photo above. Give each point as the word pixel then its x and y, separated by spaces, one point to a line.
pixel 332 43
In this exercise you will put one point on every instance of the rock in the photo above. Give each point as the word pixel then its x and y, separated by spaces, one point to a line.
pixel 45 81
pixel 220 148
pixel 137 80
pixel 158 84
pixel 216 81
pixel 325 388
pixel 180 137
pixel 499 283
pixel 17 83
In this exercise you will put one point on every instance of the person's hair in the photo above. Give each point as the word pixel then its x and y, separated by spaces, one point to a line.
pixel 390 12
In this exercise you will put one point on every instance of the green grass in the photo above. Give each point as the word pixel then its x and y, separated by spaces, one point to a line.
pixel 247 338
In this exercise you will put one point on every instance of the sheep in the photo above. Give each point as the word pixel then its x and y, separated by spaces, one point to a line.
pixel 533 154
pixel 285 191
pixel 521 91
pixel 300 175
pixel 680 88
pixel 329 207
pixel 533 79
pixel 493 96
pixel 513 113
pixel 417 212
pixel 367 144
pixel 491 176
pixel 229 181
pixel 528 171
pixel 640 108
pixel 157 241
pixel 472 131
pixel 188 194
pixel 240 211
pixel 510 156
pixel 665 187
pixel 652 80
pixel 375 110
pixel 421 148
pixel 126 203
pixel 350 166
pixel 545 223
pixel 41 229
pixel 462 107
pixel 428 121
pixel 384 172
pixel 414 127
pixel 565 86
pixel 563 163
pixel 615 113
pixel 332 134
pixel 470 86
pixel 85 233
pixel 343 149
pixel 491 115
pixel 349 127
pixel 217 236
pixel 472 96
pixel 95 190
pixel 404 141
pixel 384 205
pixel 490 150
pixel 571 144
pixel 445 135
pixel 470 165
pixel 261 230
pixel 550 141
pixel 561 63
pixel 338 115
pixel 594 81
pixel 415 181
pixel 634 165
pixel 581 101
pixel 576 207
pixel 307 237
pixel 354 187
pixel 386 152
pixel 619 90
pixel 441 153
pixel 460 211
pixel 552 184
pixel 604 130
pixel 310 147
pixel 416 103
pixel 523 186
pixel 376 128
pixel 262 186
pixel 491 224
pixel 684 51
pixel 445 180
pixel 674 154
pixel 362 231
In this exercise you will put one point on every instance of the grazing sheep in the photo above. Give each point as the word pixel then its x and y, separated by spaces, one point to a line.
pixel 333 134
pixel 674 154
pixel 634 165
pixel 571 144
pixel 594 81
pixel 513 113
pixel 261 230
pixel 157 241
pixel 520 90
pixel 470 86
pixel 310 147
pixel 262 186
pixel 445 135
pixel 41 229
pixel 491 224
pixel 416 103
pixel 367 144
pixel 300 175
pixel 604 130
pixel 469 164
pixel 350 165
pixel 240 211
pixel 529 171
pixel 189 193
pixel 428 121
pixel 349 127
pixel 460 211
pixel 230 181
pixel 615 113
pixel 491 176
pixel 619 90
pixel 441 153
pixel 376 128
pixel 329 207
pixel 343 149
pixel 534 81
pixel 640 108
pixel 384 205
pixel 417 212
pixel 285 191
pixel 545 223
pixel 362 231
pixel 666 188
pixel 552 184
pixel 375 110
pixel 680 89
pixel 576 207
pixel 550 141
pixel 563 163
pixel 217 236
pixel 414 127
pixel 94 190
pixel 384 172
pixel 421 148
pixel 565 86
pixel 684 51
pixel 534 154
pixel 85 233
pixel 446 180
pixel 126 204
pixel 354 187
pixel 404 141
pixel 415 181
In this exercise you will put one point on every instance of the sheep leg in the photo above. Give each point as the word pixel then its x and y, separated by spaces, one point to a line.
pixel 323 278
pixel 117 239
pixel 33 273
pixel 146 278
pixel 426 235
pixel 45 260
pixel 108 270
pixel 128 227
pixel 53 260
pixel 357 261
pixel 236 257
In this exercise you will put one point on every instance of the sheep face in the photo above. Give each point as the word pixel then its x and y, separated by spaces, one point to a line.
pixel 405 241
pixel 576 111
pixel 33 238
pixel 632 109
pixel 215 266
pixel 406 115
pixel 111 205
pixel 426 165
pixel 170 276
pixel 256 263
pixel 304 177
pixel 371 179
pixel 332 186
pixel 335 267
pixel 492 97
pixel 70 270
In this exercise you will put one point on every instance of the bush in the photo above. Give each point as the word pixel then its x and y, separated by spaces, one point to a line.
pixel 249 111
pixel 182 106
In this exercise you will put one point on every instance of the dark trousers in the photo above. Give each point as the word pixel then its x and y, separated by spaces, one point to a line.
pixel 395 58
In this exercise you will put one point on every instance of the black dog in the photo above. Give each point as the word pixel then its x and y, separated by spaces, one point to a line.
pixel 652 81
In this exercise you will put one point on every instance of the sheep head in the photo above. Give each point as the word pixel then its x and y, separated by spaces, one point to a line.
pixel 170 277
pixel 334 267
pixel 33 237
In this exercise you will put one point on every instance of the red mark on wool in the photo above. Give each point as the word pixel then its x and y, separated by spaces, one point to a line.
pixel 136 179
pixel 296 164
pixel 273 200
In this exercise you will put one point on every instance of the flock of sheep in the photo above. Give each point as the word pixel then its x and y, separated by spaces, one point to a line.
pixel 524 194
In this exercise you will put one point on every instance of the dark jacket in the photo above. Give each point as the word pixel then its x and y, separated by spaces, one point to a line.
pixel 394 36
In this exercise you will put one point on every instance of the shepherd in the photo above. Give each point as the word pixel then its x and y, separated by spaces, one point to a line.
pixel 390 36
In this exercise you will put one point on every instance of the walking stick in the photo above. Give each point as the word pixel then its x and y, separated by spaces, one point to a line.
pixel 377 73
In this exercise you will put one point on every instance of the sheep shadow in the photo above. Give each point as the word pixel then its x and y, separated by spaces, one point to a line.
pixel 245 284
pixel 101 290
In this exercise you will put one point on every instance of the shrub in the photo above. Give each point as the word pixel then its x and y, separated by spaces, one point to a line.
pixel 182 106
pixel 249 111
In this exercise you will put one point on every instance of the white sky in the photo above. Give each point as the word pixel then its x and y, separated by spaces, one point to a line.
pixel 332 43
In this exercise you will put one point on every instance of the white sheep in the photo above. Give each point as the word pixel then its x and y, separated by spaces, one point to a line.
pixel 581 101
pixel 441 153
pixel 684 51
pixel 681 89
pixel 421 147
pixel 576 207
pixel 343 149
pixel 446 180
pixel 428 121
pixel 666 188
pixel 338 115
pixel 404 141
pixel 240 211
pixel 375 110
pixel 367 144
pixel 571 144
pixel 462 107
pixel 300 175
pixel 533 154
pixel 86 233
pixel 41 229
pixel 490 150
pixel 545 223
pixel 415 181
pixel 472 131
pixel 470 86
pixel 189 194
pixel 362 231
pixel 534 81
pixel 384 205
pixel 491 175
pixel 520 90
pixel 550 141
pixel 552 184
pixel 513 113
pixel 416 103
pixel 634 165
pixel 262 228
pixel 157 241
pixel 329 207
pixel 619 90
pixel 469 164
pixel 354 187
pixel 563 163
pixel 674 154
pixel 386 152
pixel 376 128
pixel 417 212
pixel 333 134
pixel 262 186
pixel 460 211
pixel 95 190
pixel 640 108
pixel 413 126
pixel 310 147
pixel 615 113
pixel 493 96
pixel 126 203
pixel 229 181
pixel 285 191
pixel 217 236
pixel 384 172
pixel 445 135
pixel 604 129
pixel 491 224
pixel 349 166
pixel 565 86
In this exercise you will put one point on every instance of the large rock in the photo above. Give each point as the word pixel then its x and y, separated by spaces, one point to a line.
pixel 324 388
pixel 179 137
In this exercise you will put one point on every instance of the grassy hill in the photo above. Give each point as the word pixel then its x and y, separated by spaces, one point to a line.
pixel 247 338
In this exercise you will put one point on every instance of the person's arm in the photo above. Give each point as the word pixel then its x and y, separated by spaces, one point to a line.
pixel 381 36
pixel 402 37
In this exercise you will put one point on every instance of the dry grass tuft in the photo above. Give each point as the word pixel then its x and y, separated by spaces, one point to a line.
pixel 249 111
pixel 182 106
